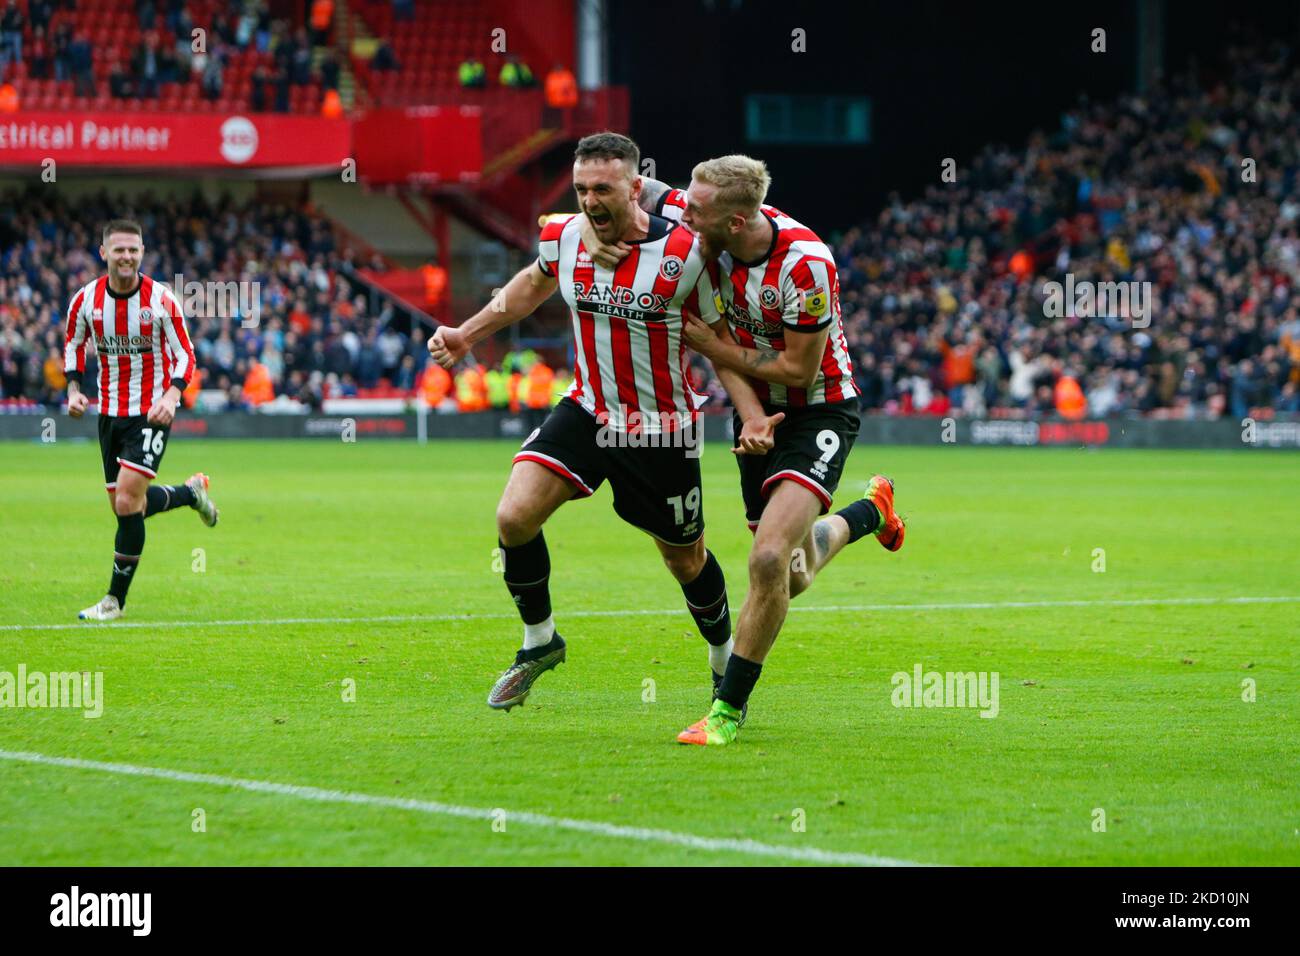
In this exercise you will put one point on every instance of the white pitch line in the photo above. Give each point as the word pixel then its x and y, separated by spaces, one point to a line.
pixel 643 834
pixel 794 608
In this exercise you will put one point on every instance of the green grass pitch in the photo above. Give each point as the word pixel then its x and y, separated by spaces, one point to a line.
pixel 373 563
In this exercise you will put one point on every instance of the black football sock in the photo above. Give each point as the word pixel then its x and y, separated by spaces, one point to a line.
pixel 738 683
pixel 862 517
pixel 166 497
pixel 706 599
pixel 527 576
pixel 127 549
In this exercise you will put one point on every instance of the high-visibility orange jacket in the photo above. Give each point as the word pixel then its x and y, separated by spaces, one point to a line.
pixel 561 89
pixel 435 383
pixel 331 106
pixel 516 380
pixel 435 283
pixel 191 393
pixel 540 377
pixel 1070 400
pixel 471 390
pixel 322 12
pixel 257 384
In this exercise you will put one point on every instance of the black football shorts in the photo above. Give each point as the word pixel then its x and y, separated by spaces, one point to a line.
pixel 131 442
pixel 811 447
pixel 656 489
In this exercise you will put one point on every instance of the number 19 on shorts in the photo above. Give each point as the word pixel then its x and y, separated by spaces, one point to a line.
pixel 680 505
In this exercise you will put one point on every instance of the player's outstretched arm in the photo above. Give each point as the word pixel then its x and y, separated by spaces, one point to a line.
pixel 796 366
pixel 521 296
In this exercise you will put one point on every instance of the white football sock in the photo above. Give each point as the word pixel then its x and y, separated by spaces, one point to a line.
pixel 718 656
pixel 535 635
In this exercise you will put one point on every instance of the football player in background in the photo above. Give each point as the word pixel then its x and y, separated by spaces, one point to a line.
pixel 145 363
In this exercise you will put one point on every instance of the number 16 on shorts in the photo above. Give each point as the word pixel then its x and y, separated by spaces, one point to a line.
pixel 152 446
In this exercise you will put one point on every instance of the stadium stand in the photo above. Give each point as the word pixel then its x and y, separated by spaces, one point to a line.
pixel 942 294
pixel 318 336
pixel 430 59
pixel 1143 189
pixel 315 337
pixel 119 54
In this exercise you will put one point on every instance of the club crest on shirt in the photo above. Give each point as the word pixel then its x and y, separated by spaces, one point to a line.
pixel 769 297
pixel 671 268
pixel 146 315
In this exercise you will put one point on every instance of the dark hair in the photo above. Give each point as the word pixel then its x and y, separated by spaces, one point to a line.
pixel 122 225
pixel 609 146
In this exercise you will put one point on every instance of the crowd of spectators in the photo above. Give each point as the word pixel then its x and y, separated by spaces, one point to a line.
pixel 1192 188
pixel 315 336
pixel 173 46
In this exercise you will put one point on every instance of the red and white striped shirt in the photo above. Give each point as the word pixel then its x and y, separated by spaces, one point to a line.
pixel 630 359
pixel 794 286
pixel 141 340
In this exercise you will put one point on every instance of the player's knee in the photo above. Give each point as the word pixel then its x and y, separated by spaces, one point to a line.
pixel 767 565
pixel 515 526
pixel 126 504
pixel 685 564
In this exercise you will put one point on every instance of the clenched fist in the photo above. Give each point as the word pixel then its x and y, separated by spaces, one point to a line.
pixel 448 346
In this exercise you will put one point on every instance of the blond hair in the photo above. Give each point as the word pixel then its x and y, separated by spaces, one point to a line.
pixel 741 181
